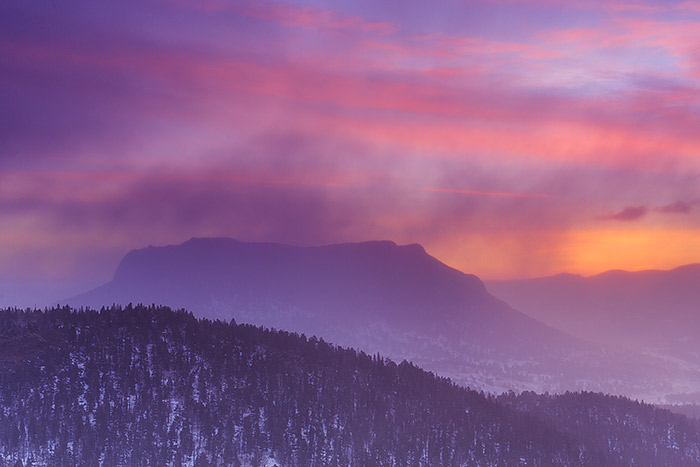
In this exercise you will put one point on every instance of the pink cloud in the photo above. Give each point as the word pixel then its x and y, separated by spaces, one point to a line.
pixel 692 6
pixel 602 5
pixel 306 17
pixel 482 115
pixel 496 194
pixel 574 35
pixel 313 18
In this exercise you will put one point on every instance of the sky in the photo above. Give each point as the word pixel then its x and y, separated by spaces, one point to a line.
pixel 511 138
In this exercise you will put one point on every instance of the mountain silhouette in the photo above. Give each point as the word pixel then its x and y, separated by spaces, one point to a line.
pixel 377 296
pixel 346 284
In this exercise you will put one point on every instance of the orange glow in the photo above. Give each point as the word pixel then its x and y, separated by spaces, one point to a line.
pixel 500 255
pixel 508 255
pixel 595 251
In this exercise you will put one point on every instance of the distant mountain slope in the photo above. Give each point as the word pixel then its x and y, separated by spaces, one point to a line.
pixel 654 311
pixel 380 297
pixel 153 387
pixel 347 284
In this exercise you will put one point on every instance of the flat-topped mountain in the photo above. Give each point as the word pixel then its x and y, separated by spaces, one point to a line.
pixel 400 283
pixel 376 296
pixel 310 288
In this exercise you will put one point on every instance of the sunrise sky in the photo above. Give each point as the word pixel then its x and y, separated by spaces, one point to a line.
pixel 510 138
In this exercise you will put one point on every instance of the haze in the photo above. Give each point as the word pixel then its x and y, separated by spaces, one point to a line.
pixel 510 138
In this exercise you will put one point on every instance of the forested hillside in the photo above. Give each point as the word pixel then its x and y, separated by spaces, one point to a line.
pixel 151 386
pixel 634 433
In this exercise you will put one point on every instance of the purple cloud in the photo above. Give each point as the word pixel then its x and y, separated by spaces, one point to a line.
pixel 679 207
pixel 628 214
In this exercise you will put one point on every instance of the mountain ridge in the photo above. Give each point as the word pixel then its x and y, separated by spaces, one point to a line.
pixel 650 310
pixel 380 297
pixel 367 275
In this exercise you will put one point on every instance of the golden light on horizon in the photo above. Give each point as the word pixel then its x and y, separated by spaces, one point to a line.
pixel 517 255
pixel 595 251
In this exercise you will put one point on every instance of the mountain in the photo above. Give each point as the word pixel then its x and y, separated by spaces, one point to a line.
pixel 380 297
pixel 649 311
pixel 377 296
pixel 154 387
pixel 348 284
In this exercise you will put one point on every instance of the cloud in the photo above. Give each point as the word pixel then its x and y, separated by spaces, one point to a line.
pixel 633 213
pixel 680 207
pixel 307 17
pixel 498 194
pixel 313 18
pixel 284 122
pixel 628 214
pixel 113 96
